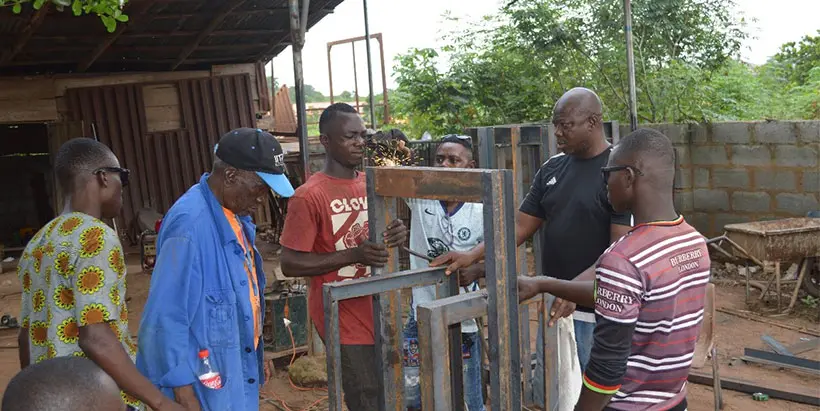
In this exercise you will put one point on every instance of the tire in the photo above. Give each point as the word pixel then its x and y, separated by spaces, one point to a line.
pixel 811 282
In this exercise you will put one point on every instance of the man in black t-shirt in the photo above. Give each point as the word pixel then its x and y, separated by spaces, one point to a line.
pixel 568 199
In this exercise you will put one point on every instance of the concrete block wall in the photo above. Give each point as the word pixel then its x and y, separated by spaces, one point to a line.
pixel 744 171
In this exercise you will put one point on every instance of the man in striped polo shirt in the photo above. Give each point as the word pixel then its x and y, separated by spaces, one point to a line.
pixel 648 288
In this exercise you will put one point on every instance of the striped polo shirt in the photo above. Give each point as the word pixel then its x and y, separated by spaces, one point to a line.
pixel 649 294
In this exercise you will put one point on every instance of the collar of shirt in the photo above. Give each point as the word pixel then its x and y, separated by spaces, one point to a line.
pixel 223 227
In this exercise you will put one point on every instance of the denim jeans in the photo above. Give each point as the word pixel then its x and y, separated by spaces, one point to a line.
pixel 472 372
pixel 583 341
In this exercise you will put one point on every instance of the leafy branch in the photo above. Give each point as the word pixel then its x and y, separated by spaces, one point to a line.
pixel 109 11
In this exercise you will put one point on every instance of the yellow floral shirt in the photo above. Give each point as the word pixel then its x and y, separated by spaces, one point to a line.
pixel 73 275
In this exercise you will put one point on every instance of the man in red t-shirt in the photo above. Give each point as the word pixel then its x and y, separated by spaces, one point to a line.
pixel 326 238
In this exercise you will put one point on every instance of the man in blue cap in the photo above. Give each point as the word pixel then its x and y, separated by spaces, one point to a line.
pixel 206 292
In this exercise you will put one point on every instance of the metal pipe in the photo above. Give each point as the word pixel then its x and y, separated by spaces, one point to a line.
pixel 384 81
pixel 355 76
pixel 330 72
pixel 630 66
pixel 369 66
pixel 299 78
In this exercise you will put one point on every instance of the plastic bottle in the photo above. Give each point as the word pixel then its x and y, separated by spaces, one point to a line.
pixel 208 375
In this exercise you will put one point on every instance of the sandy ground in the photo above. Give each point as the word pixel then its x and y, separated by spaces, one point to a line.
pixel 732 335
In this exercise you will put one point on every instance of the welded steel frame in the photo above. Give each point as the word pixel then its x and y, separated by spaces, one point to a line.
pixel 352 41
pixel 493 188
pixel 540 143
pixel 434 320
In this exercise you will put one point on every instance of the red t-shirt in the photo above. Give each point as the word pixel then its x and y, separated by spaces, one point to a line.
pixel 326 215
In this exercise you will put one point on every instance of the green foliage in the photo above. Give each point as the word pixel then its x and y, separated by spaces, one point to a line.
pixel 109 11
pixel 512 66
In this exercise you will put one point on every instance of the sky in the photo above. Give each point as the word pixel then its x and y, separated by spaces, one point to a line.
pixel 407 24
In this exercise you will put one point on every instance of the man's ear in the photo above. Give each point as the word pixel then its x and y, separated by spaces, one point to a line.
pixel 471 164
pixel 102 178
pixel 324 139
pixel 231 175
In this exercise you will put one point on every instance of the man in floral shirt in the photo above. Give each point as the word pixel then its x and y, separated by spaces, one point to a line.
pixel 73 277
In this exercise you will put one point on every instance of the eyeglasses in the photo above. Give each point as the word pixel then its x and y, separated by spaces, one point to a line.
pixel 606 171
pixel 458 136
pixel 123 172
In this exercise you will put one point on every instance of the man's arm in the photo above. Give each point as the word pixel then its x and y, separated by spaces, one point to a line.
pixel 525 226
pixel 618 298
pixel 578 292
pixel 305 264
pixel 100 345
pixel 99 296
pixel 23 347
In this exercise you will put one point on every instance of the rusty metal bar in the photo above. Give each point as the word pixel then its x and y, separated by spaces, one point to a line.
pixel 435 318
pixel 429 182
pixel 501 274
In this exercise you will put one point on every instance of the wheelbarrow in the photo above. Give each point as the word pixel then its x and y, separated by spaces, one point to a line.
pixel 775 241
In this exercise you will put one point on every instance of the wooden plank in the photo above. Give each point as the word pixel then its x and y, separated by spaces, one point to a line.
pixel 19 43
pixel 18 111
pixel 63 83
pixel 163 118
pixel 26 89
pixel 430 183
pixel 160 95
pixel 771 387
pixel 227 8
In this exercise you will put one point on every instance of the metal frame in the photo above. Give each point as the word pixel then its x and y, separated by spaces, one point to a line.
pixel 540 143
pixel 434 320
pixel 352 41
pixel 493 188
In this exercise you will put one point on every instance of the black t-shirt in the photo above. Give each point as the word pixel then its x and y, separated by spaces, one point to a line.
pixel 569 194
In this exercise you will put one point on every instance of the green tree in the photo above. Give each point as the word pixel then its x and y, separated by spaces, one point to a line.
pixel 109 11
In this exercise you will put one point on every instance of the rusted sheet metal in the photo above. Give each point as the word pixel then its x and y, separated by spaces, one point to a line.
pixel 790 239
pixel 165 164
pixel 262 87
pixel 284 119
pixel 430 183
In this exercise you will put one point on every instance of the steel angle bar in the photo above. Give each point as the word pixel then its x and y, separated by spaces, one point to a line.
pixel 361 287
pixel 435 321
pixel 501 275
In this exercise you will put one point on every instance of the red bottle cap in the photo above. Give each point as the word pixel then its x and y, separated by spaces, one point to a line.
pixel 203 353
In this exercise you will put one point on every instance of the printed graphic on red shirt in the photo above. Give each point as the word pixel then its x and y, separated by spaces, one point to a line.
pixel 348 218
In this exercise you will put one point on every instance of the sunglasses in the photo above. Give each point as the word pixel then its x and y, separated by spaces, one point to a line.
pixel 123 172
pixel 606 171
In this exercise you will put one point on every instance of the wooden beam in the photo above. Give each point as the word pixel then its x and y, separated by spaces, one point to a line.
pixel 140 12
pixel 20 42
pixel 230 5
pixel 269 12
pixel 221 33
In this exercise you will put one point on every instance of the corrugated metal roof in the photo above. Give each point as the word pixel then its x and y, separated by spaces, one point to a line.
pixel 154 39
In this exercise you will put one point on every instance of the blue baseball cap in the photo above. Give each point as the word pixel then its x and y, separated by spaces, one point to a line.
pixel 255 150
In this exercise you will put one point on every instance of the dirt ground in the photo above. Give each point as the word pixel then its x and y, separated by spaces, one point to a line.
pixel 733 333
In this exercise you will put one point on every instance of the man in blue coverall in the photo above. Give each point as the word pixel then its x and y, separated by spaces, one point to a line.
pixel 207 286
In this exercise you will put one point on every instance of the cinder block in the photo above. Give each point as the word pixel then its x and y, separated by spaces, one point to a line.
pixel 709 155
pixel 797 204
pixel 775 180
pixel 684 157
pixel 732 133
pixel 808 131
pixel 751 155
pixel 701 177
pixel 711 200
pixel 700 221
pixel 775 132
pixel 683 178
pixel 722 220
pixel 794 156
pixel 677 133
pixel 754 202
pixel 811 181
pixel 731 178
pixel 684 201
pixel 699 133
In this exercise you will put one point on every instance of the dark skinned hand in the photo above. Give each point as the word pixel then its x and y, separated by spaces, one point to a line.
pixel 455 260
pixel 396 234
pixel 470 274
pixel 370 253
pixel 527 288
pixel 560 308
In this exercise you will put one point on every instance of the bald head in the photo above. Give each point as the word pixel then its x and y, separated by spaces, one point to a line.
pixel 579 101
pixel 62 384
